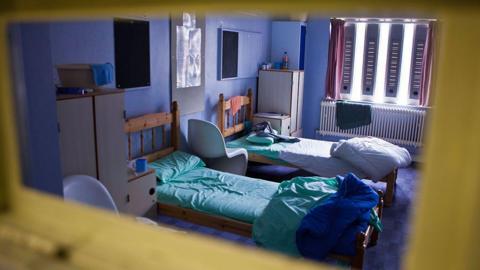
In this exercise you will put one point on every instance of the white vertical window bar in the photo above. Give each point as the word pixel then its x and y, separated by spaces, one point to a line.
pixel 379 92
pixel 403 89
pixel 358 61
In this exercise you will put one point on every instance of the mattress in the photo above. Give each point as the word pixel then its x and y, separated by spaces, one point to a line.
pixel 310 155
pixel 218 193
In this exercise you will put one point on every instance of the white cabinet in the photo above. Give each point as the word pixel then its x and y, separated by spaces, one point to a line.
pixel 281 91
pixel 92 140
pixel 279 122
pixel 141 193
pixel 77 136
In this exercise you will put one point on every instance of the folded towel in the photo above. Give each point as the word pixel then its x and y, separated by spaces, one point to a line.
pixel 351 115
pixel 235 104
pixel 102 73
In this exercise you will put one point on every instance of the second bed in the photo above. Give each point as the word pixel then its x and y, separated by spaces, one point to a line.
pixel 308 154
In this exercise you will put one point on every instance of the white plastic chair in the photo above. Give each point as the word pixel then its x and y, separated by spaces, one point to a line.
pixel 88 190
pixel 206 141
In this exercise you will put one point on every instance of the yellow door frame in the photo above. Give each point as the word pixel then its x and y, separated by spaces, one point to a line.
pixel 39 231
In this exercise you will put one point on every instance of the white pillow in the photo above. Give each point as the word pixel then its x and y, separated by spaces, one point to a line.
pixel 372 155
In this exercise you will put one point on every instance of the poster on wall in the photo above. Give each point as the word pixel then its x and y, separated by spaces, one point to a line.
pixel 189 52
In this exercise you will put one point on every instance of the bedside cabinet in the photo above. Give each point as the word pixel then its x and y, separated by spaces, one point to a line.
pixel 279 122
pixel 141 194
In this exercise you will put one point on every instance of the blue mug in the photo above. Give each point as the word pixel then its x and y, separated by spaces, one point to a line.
pixel 140 165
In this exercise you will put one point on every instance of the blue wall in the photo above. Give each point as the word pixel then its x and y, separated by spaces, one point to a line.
pixel 316 60
pixel 43 170
pixel 93 42
pixel 214 87
pixel 45 45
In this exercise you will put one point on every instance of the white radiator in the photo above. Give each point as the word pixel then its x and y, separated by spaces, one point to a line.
pixel 402 125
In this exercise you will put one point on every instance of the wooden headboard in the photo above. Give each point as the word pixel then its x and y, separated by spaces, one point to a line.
pixel 237 123
pixel 150 123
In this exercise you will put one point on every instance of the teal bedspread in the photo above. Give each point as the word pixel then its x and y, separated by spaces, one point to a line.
pixel 206 190
pixel 277 226
pixel 275 229
pixel 269 151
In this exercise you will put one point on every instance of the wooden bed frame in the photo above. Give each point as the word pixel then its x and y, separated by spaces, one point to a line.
pixel 230 125
pixel 363 240
pixel 151 122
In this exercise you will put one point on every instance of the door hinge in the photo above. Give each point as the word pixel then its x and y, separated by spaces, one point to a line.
pixel 124 114
pixel 128 197
pixel 58 127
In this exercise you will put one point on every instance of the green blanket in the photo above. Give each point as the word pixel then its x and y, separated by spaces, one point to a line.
pixel 275 228
pixel 206 190
pixel 269 151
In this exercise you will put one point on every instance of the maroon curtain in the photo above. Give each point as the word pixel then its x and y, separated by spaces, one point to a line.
pixel 335 59
pixel 427 64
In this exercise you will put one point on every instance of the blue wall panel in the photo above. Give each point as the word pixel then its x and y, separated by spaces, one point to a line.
pixel 43 152
pixel 316 60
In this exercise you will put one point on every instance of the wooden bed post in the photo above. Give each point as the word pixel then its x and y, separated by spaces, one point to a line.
pixel 374 237
pixel 221 113
pixel 391 180
pixel 129 146
pixel 250 105
pixel 175 132
pixel 357 261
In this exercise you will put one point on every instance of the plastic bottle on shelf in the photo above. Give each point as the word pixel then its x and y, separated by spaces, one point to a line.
pixel 285 61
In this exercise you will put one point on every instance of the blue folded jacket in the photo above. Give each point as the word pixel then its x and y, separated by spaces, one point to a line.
pixel 102 73
pixel 333 225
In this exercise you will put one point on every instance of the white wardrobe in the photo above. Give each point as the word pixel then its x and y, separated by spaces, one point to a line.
pixel 281 91
pixel 92 140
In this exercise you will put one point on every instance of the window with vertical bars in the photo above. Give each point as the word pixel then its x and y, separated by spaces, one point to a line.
pixel 383 61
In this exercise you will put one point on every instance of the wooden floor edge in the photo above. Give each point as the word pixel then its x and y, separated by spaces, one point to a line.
pixel 205 219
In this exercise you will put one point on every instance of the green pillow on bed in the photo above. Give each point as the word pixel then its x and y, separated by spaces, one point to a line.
pixel 175 164
pixel 252 138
